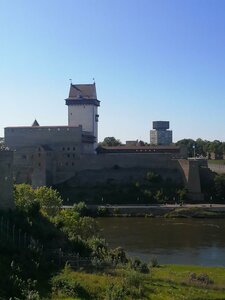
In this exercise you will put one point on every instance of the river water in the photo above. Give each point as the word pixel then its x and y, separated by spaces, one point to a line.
pixel 172 241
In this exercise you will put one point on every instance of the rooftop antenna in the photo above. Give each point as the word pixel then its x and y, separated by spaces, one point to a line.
pixel 93 80
pixel 70 81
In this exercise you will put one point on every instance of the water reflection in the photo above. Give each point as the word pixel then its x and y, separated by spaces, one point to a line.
pixel 186 241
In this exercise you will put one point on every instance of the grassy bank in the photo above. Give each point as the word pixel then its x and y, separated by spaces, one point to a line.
pixel 160 211
pixel 162 283
pixel 195 212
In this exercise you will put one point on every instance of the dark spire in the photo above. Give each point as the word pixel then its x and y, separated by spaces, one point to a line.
pixel 35 123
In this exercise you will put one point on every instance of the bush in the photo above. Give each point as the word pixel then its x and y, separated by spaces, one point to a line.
pixel 134 279
pixel 118 256
pixel 115 292
pixel 69 287
pixel 202 279
pixel 81 209
pixel 102 211
pixel 137 265
pixel 154 262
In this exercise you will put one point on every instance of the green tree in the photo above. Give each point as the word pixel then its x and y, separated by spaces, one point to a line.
pixel 76 226
pixel 181 194
pixel 49 199
pixel 25 199
pixel 110 141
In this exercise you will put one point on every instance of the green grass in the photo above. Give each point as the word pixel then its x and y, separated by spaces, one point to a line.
pixel 168 282
pixel 173 282
pixel 194 212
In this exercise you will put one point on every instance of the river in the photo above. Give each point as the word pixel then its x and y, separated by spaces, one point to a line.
pixel 172 241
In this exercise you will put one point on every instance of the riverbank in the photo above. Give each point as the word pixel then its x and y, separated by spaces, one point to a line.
pixel 168 211
pixel 166 282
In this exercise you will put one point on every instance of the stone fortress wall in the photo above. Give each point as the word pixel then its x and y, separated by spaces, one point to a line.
pixel 50 155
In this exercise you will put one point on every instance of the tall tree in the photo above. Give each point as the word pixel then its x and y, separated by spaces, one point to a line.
pixel 110 141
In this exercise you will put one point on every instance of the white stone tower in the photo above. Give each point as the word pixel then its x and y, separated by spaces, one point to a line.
pixel 83 108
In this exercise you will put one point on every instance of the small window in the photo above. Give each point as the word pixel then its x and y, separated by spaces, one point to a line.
pixel 63 148
pixel 68 155
pixel 39 164
pixel 74 148
pixel 72 163
pixel 68 148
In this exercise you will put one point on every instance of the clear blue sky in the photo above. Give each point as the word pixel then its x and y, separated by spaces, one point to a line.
pixel 151 60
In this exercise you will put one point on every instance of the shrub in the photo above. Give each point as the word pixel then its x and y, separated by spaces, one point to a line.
pixel 202 279
pixel 69 287
pixel 137 265
pixel 102 211
pixel 154 262
pixel 134 279
pixel 118 256
pixel 81 209
pixel 115 292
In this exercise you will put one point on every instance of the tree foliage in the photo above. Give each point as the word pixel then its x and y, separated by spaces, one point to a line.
pixel 28 199
pixel 202 147
pixel 49 199
pixel 110 141
pixel 25 200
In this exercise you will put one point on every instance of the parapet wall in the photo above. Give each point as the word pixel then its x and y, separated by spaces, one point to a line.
pixel 17 137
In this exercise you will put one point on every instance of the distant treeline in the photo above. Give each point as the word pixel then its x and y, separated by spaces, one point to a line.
pixel 202 147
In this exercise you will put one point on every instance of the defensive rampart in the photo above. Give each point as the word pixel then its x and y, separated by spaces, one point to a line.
pixel 93 169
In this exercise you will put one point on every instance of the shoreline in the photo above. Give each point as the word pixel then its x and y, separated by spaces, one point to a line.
pixel 164 211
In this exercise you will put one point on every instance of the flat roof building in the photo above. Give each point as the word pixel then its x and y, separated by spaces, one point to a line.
pixel 160 135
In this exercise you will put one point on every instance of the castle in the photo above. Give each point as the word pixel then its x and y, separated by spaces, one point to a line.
pixel 50 155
